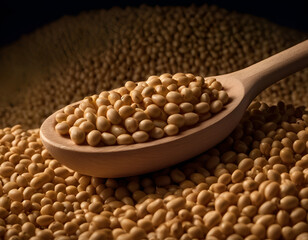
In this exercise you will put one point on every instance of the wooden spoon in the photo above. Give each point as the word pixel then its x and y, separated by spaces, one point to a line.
pixel 127 160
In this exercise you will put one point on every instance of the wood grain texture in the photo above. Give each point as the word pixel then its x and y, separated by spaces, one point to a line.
pixel 127 160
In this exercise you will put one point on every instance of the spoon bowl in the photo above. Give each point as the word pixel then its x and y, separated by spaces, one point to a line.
pixel 128 160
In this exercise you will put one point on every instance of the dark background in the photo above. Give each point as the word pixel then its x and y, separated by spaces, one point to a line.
pixel 21 17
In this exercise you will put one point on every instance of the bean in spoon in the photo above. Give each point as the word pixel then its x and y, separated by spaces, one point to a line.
pixel 126 160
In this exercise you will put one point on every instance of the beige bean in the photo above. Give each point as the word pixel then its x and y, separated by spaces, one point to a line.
pixel 157 133
pixel 174 97
pixel 216 106
pixel 94 138
pixel 287 233
pixel 159 217
pixel 146 125
pixel 258 230
pixel 117 130
pixel 302 236
pixel 113 97
pixel 195 232
pixel 137 233
pixel 266 220
pixel 167 80
pixel 298 214
pixel 171 129
pixel 211 219
pixel 140 136
pixel 289 202
pixel 148 91
pixel 283 218
pixel 153 111
pixel 136 96
pixel 102 124
pixel 108 138
pixel 300 227
pixel 39 180
pixel 187 94
pixel 159 100
pixel 61 116
pixel 177 120
pixel 286 155
pixel 91 117
pixel 246 164
pixel 130 85
pixel 140 115
pixel 205 98
pixel 171 108
pixel 44 220
pixel 102 102
pixel 145 224
pixel 186 107
pixel 159 123
pixel 155 205
pixel 161 90
pixel 77 135
pixel 191 118
pixel 113 116
pixel 202 107
pixel 62 127
pixel 221 204
pixel 267 207
pixel 86 126
pixel 153 81
pixel 102 110
pixel 223 97
pixel 125 139
pixel 71 119
pixel 127 224
pixel 176 204
pixel 271 190
pixel 241 229
pixel 131 124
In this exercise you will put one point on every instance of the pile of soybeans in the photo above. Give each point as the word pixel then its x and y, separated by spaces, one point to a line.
pixel 135 113
pixel 253 185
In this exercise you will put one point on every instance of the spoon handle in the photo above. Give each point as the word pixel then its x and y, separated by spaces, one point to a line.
pixel 261 75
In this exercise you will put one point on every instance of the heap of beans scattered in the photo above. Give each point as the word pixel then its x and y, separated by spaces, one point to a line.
pixel 136 112
pixel 253 185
